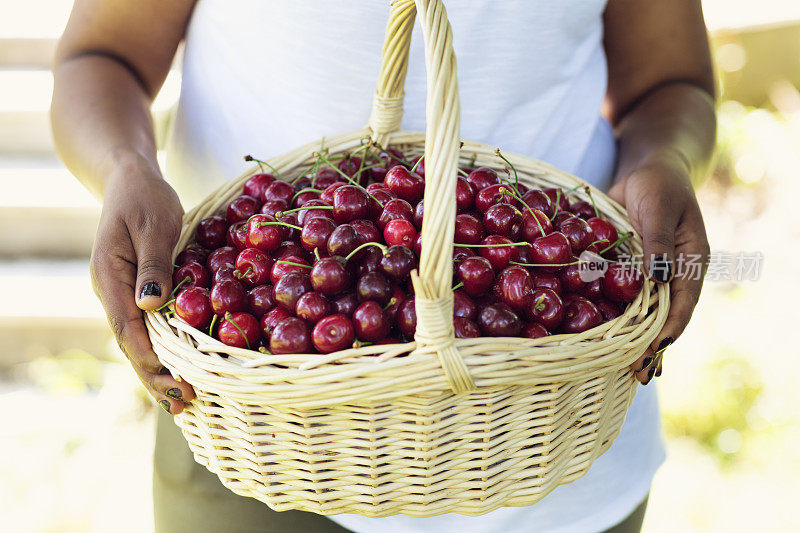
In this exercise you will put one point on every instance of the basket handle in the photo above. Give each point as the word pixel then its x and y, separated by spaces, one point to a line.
pixel 432 285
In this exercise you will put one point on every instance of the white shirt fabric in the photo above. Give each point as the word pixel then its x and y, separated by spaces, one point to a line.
pixel 266 76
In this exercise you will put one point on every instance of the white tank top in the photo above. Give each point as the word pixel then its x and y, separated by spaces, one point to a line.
pixel 266 76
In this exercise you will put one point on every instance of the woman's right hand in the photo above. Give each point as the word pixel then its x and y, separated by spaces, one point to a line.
pixel 131 270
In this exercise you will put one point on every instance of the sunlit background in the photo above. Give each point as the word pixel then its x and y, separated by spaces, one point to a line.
pixel 77 431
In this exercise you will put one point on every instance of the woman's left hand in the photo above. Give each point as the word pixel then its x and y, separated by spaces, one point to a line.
pixel 663 209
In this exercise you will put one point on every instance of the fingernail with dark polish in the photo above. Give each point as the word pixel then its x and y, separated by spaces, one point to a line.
pixel 164 371
pixel 661 268
pixel 164 404
pixel 650 374
pixel 150 288
pixel 647 360
pixel 174 393
pixel 664 344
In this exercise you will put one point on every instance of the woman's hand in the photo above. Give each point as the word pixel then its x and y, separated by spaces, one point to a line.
pixel 131 270
pixel 663 209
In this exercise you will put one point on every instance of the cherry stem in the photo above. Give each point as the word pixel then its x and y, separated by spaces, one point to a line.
pixel 358 344
pixel 178 286
pixel 414 168
pixel 298 228
pixel 503 190
pixel 548 264
pixel 279 214
pixel 383 248
pixel 591 199
pixel 458 286
pixel 281 261
pixel 229 318
pixel 501 156
pixel 239 274
pixel 166 304
pixel 213 323
pixel 495 245
pixel 539 303
pixel 392 301
pixel 301 191
pixel 264 350
pixel 249 157
pixel 348 178
pixel 385 151
pixel 316 253
pixel 463 172
pixel 624 237
pixel 472 160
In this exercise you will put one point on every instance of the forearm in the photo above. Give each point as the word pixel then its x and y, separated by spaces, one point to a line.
pixel 676 121
pixel 101 121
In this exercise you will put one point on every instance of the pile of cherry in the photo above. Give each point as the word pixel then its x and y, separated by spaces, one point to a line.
pixel 323 262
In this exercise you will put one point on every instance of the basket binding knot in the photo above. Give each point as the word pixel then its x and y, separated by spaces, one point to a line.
pixel 387 114
pixel 435 331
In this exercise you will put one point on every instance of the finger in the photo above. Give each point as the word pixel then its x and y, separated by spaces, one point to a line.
pixel 170 396
pixel 154 267
pixel 659 221
pixel 644 360
pixel 646 374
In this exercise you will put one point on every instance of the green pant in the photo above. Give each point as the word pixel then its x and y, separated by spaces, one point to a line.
pixel 187 498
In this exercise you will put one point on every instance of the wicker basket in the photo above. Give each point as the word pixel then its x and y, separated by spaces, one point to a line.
pixel 423 428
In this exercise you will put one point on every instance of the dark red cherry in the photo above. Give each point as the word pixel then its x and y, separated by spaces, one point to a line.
pixel 482 177
pixel 547 280
pixel 370 321
pixel 270 207
pixel 264 233
pixel 252 267
pixel 603 229
pixel 498 251
pixel 225 273
pixel 278 190
pixel 194 307
pixel 622 283
pixel 536 199
pixel 329 275
pixel 239 329
pixel 578 232
pixel 570 276
pixel 560 217
pixel 288 248
pixel 398 297
pixel 464 328
pixel 333 333
pixel 534 331
pixel 257 184
pixel 290 288
pixel 260 300
pixel 579 315
pixel 418 164
pixel 469 230
pixel 534 223
pixel 365 260
pixel 593 290
pixel 407 318
pixel 228 297
pixel 460 253
pixel 272 318
pixel 222 257
pixel 303 197
pixel 391 157
pixel 241 208
pixel 397 263
pixel 236 236
pixel 193 252
pixel 198 276
pixel 582 209
pixel 557 198
pixel 553 249
pixel 380 186
pixel 211 232
pixel 494 194
pixel 514 287
pixel 374 286
pixel 350 203
pixel 496 320
pixel 313 209
pixel 608 309
pixel 418 244
pixel 290 335
pixel 327 194
pixel 465 195
pixel 394 209
pixel 503 219
pixel 344 304
pixel 404 184
pixel 343 240
pixel 312 306
pixel 350 165
pixel 367 231
pixel 399 232
pixel 419 214
pixel 546 308
pixel 463 306
pixel 316 232
pixel 476 274
pixel 283 266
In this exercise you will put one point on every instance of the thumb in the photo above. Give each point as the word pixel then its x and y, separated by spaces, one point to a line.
pixel 153 271
pixel 658 225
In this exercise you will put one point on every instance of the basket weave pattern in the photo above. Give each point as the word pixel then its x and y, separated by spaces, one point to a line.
pixel 423 428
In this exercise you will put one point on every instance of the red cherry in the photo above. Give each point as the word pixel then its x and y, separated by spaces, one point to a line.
pixel 546 308
pixel 278 190
pixel 325 177
pixel 343 240
pixel 465 328
pixel 578 232
pixel 407 318
pixel 603 229
pixel 350 165
pixel 283 266
pixel 482 177
pixel 514 287
pixel 397 299
pixel 391 157
pixel 288 248
pixel 312 306
pixel 400 232
pixel 418 244
pixel 197 274
pixel 228 297
pixel 222 257
pixel 350 203
pixel 260 300
pixel 264 233
pixel 394 209
pixel 498 251
pixel 505 220
pixel 622 283
pixel 609 310
pixel 419 214
pixel 553 249
pixel 329 276
pixel 290 288
pixel 193 306
pixel 237 236
pixel 366 230
pixel 270 207
pixel 536 199
pixel 345 304
pixel 374 286
pixel 290 336
pixel 410 187
pixel 418 164
pixel 241 208
pixel 365 260
pixel 463 306
pixel 211 232
pixel 546 280
pixel 582 209
pixel 465 195
pixel 370 321
pixel 476 274
pixel 496 320
pixel 327 194
pixel 557 198
pixel 303 197
pixel 193 252
pixel 494 194
pixel 534 331
pixel 469 230
pixel 560 217
pixel 534 222
pixel 460 253
pixel 316 232
pixel 593 290
pixel 253 266
pixel 579 315
pixel 239 329
pixel 333 333
pixel 256 184
pixel 223 274
pixel 397 263
pixel 570 276
pixel 272 318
